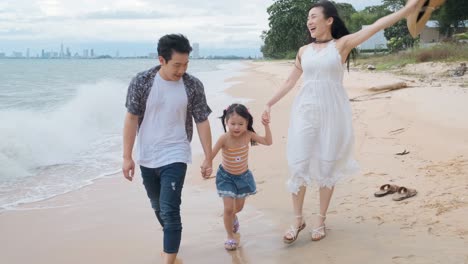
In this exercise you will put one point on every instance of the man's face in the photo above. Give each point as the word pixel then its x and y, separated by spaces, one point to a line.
pixel 175 68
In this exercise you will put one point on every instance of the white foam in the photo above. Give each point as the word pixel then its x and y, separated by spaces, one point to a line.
pixel 52 152
pixel 36 139
pixel 81 132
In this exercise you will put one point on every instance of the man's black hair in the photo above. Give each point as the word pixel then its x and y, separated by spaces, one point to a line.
pixel 173 42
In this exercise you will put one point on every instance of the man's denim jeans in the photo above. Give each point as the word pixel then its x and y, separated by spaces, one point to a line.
pixel 164 188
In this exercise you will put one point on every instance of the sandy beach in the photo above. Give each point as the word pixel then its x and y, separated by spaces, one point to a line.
pixel 111 221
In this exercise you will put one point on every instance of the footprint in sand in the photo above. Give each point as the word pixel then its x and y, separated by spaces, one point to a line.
pixel 443 207
pixel 403 259
pixel 379 219
pixel 375 174
pixel 359 219
pixel 456 166
pixel 408 226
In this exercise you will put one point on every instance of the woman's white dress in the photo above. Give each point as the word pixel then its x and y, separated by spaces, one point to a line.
pixel 320 136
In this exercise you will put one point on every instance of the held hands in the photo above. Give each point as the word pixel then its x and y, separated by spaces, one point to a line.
pixel 206 169
pixel 266 116
pixel 128 168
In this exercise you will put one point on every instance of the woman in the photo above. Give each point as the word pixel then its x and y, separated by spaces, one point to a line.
pixel 320 135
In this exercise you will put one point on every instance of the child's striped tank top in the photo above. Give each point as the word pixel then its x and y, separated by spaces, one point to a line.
pixel 235 160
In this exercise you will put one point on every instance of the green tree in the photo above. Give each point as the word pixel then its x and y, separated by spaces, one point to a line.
pixel 398 36
pixel 345 11
pixel 394 5
pixel 367 16
pixel 451 16
pixel 288 30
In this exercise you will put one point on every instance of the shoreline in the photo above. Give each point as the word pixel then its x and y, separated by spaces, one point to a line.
pixel 112 220
pixel 17 198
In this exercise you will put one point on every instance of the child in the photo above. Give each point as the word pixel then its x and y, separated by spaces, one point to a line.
pixel 234 180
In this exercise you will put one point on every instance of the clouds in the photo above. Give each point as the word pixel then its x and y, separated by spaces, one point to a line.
pixel 212 22
pixel 361 4
pixel 121 14
pixel 16 32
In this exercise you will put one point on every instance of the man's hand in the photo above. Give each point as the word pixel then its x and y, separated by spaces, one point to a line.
pixel 128 168
pixel 206 169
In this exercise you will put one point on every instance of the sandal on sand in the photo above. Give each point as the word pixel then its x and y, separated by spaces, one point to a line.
pixel 230 244
pixel 386 189
pixel 235 225
pixel 404 193
pixel 293 232
pixel 319 232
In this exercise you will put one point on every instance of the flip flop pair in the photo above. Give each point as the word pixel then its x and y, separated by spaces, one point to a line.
pixel 399 192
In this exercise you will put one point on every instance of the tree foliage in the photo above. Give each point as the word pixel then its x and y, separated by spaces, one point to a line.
pixel 288 30
pixel 452 16
pixel 345 11
pixel 367 16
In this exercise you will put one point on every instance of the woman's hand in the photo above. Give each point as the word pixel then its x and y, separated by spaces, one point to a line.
pixel 266 115
pixel 412 5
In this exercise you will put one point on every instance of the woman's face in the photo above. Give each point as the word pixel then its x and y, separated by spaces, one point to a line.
pixel 317 24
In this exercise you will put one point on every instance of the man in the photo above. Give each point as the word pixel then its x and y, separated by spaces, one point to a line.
pixel 161 103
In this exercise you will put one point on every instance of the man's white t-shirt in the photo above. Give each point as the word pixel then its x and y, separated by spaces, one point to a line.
pixel 162 138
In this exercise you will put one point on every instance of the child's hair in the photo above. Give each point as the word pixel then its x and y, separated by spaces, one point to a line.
pixel 242 111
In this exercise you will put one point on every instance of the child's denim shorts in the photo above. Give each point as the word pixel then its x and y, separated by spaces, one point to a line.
pixel 235 186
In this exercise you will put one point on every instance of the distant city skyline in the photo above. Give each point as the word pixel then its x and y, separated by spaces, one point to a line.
pixel 132 27
pixel 123 50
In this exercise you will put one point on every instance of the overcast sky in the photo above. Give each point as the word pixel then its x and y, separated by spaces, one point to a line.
pixel 126 25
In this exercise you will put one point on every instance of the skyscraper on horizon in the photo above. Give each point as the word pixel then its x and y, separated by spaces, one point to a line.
pixel 196 50
pixel 61 51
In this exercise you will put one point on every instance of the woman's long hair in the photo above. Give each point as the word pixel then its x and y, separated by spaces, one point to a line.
pixel 338 28
pixel 242 111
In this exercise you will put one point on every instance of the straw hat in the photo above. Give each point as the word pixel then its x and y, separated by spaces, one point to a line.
pixel 417 20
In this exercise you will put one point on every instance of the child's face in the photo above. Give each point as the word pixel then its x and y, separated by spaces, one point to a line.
pixel 237 125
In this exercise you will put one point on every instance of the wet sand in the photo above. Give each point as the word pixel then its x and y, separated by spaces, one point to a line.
pixel 111 220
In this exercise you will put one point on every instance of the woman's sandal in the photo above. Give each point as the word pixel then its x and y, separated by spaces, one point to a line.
pixel 230 244
pixel 319 232
pixel 293 232
pixel 235 225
